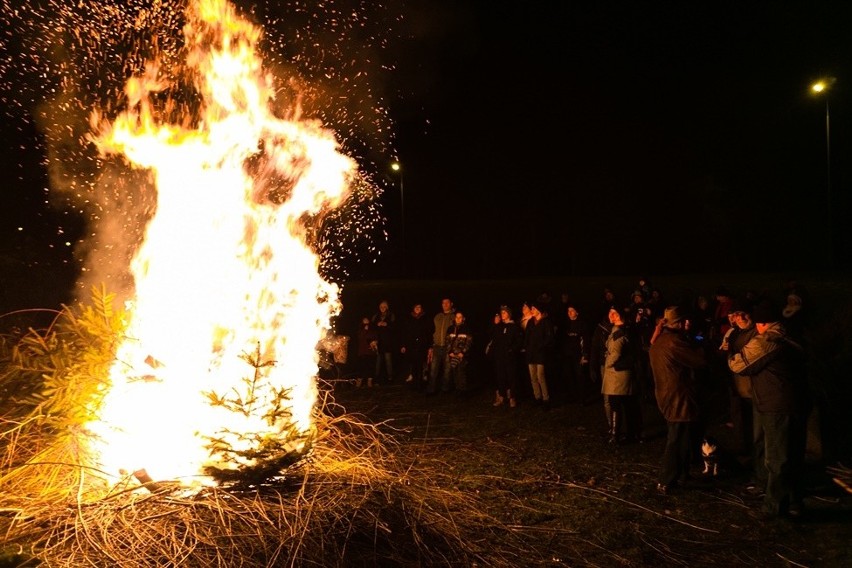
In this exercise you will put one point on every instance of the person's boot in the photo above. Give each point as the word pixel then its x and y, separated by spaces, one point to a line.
pixel 613 431
pixel 512 403
pixel 499 400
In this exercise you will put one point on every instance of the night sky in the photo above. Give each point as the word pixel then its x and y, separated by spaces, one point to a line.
pixel 600 137
pixel 543 139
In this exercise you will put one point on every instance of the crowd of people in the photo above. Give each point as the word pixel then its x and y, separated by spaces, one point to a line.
pixel 681 360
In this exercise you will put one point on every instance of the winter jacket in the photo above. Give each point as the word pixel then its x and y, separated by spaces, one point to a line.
pixel 385 326
pixel 416 333
pixel 575 340
pixel 619 363
pixel 442 322
pixel 738 339
pixel 507 339
pixel 459 339
pixel 538 341
pixel 775 364
pixel 673 359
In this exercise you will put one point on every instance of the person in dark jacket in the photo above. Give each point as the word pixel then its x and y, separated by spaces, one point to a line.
pixel 538 346
pixel 776 365
pixel 415 342
pixel 574 351
pixel 674 358
pixel 384 322
pixel 507 339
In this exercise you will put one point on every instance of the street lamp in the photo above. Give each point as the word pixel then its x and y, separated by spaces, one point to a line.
pixel 397 168
pixel 821 88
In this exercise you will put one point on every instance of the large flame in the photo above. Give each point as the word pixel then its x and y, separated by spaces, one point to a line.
pixel 224 272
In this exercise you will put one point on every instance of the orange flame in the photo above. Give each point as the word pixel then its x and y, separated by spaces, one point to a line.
pixel 224 270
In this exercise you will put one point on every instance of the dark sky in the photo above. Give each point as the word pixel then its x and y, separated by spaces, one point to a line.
pixel 541 139
pixel 553 138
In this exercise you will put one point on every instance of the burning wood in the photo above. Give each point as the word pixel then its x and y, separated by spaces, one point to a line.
pixel 225 267
pixel 145 480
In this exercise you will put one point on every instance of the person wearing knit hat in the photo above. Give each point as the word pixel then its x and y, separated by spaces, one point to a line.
pixel 776 364
pixel 674 358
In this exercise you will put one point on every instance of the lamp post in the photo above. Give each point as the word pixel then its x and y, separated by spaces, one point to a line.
pixel 821 88
pixel 397 168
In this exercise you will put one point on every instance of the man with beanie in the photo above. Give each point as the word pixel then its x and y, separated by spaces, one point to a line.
pixel 776 365
pixel 674 357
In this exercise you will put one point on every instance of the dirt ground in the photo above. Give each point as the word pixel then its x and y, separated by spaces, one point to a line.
pixel 550 477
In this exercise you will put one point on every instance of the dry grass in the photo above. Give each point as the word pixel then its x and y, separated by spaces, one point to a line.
pixel 352 501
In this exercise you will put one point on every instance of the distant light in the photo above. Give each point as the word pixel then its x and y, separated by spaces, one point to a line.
pixel 396 166
pixel 823 85
pixel 20 228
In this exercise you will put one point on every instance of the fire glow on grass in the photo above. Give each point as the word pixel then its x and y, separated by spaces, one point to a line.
pixel 224 271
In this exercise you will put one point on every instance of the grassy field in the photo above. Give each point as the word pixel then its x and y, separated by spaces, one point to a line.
pixel 551 480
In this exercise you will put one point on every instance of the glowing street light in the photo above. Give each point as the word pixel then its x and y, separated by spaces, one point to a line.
pixel 821 88
pixel 397 168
